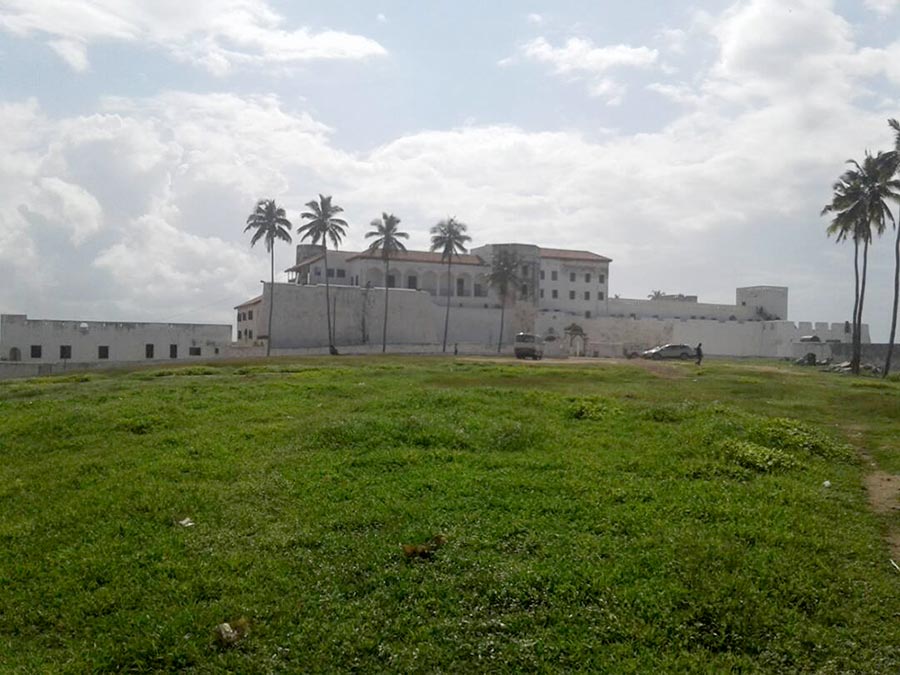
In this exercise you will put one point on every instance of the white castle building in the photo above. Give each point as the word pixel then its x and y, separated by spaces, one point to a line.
pixel 564 294
pixel 42 346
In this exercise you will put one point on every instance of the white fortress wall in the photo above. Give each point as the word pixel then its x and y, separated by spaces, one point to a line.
pixel 677 309
pixel 414 317
pixel 125 341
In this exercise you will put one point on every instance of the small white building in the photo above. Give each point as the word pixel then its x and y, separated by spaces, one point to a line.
pixel 41 341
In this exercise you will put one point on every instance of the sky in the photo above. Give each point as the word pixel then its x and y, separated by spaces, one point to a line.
pixel 693 143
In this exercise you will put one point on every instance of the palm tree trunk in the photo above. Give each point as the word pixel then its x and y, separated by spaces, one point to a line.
pixel 890 349
pixel 384 325
pixel 271 298
pixel 862 297
pixel 502 312
pixel 327 297
pixel 855 301
pixel 449 292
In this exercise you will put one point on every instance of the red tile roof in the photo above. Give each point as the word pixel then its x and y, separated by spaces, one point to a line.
pixel 305 261
pixel 567 254
pixel 252 301
pixel 420 257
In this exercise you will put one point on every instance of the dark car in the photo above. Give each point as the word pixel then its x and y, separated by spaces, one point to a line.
pixel 669 352
pixel 528 346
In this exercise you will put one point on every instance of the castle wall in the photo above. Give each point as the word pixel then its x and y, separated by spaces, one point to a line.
pixel 125 341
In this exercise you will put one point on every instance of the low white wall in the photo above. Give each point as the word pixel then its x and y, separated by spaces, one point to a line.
pixel 126 340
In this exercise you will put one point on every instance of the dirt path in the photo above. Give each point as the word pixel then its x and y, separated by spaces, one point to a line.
pixel 884 498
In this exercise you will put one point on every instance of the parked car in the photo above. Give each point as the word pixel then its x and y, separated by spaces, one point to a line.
pixel 669 352
pixel 529 346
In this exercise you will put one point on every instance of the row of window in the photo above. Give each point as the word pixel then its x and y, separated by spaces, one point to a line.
pixel 65 351
pixel 245 316
pixel 248 334
pixel 554 276
pixel 587 295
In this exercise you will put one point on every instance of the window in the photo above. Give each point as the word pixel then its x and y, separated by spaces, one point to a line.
pixel 587 295
pixel 553 275
pixel 341 274
pixel 391 281
pixel 572 277
pixel 571 295
pixel 250 334
pixel 542 275
pixel 318 271
pixel 554 294
pixel 524 270
pixel 587 314
pixel 35 351
pixel 330 272
pixel 65 351
pixel 479 291
pixel 587 278
pixel 148 351
pixel 173 351
pixel 412 282
pixel 240 316
pixel 250 315
pixel 600 295
pixel 542 294
pixel 524 291
pixel 460 286
pixel 194 351
pixel 103 352
pixel 602 278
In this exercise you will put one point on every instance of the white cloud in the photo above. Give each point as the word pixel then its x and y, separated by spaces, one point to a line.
pixel 883 7
pixel 140 206
pixel 535 19
pixel 579 55
pixel 218 35
pixel 380 18
pixel 580 59
pixel 72 52
pixel 674 39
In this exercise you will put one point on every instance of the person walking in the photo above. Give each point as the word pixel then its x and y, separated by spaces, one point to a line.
pixel 699 352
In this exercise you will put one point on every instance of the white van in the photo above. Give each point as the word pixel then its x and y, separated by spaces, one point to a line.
pixel 529 346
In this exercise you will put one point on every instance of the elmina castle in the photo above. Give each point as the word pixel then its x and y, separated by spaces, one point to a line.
pixel 563 296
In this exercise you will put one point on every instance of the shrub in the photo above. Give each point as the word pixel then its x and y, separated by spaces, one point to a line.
pixel 757 457
pixel 592 408
pixel 793 436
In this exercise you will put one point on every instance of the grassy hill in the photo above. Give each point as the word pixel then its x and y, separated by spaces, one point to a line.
pixel 613 517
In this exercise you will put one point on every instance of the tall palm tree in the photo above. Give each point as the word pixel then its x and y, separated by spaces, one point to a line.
pixel 860 208
pixel 893 158
pixel 322 226
pixel 270 224
pixel 504 276
pixel 450 238
pixel 388 242
pixel 656 295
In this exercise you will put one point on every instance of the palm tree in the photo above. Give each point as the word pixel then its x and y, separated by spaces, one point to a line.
pixel 656 295
pixel 450 238
pixel 859 206
pixel 324 227
pixel 388 243
pixel 504 276
pixel 270 224
pixel 894 159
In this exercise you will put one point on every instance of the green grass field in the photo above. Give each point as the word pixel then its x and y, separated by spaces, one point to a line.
pixel 605 517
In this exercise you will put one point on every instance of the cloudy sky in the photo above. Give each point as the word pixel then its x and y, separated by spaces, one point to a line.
pixel 694 143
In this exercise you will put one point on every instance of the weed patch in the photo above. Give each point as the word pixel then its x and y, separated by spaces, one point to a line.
pixel 757 457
